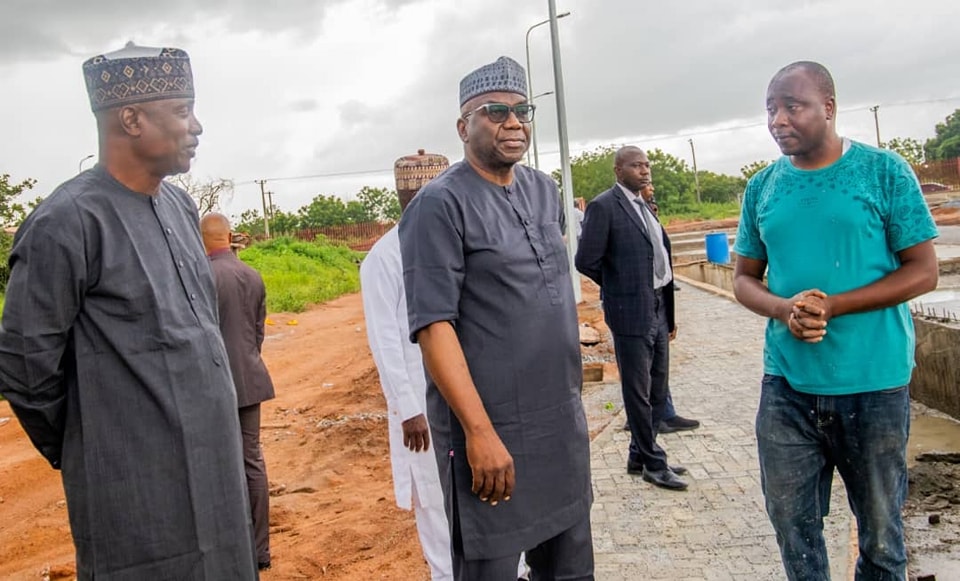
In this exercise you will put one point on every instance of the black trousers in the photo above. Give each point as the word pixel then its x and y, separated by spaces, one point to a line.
pixel 567 556
pixel 644 363
pixel 257 485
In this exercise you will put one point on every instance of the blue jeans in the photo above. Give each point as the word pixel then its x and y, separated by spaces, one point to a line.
pixel 801 439
pixel 669 412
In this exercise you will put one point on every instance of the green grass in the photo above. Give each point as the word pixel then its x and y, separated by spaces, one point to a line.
pixel 704 211
pixel 298 274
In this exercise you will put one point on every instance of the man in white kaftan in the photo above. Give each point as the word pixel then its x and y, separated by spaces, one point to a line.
pixel 415 475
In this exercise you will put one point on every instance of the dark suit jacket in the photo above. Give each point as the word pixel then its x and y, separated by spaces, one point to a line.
pixel 242 299
pixel 615 251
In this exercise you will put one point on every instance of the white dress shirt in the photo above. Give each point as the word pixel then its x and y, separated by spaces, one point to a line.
pixel 655 231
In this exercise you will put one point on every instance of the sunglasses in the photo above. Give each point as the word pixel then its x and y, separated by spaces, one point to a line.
pixel 500 112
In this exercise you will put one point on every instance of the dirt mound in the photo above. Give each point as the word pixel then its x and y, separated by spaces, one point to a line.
pixel 932 520
pixel 935 485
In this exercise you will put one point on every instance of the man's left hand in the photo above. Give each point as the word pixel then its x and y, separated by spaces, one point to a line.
pixel 815 304
pixel 673 334
pixel 416 433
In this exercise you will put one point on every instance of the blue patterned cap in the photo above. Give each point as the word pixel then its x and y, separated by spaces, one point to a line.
pixel 136 74
pixel 503 76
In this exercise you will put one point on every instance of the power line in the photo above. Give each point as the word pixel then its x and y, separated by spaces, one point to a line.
pixel 318 175
pixel 764 123
pixel 582 149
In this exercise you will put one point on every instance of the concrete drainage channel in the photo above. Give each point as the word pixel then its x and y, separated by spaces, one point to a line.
pixel 932 513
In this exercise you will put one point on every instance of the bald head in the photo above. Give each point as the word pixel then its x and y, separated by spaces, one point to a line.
pixel 632 168
pixel 625 153
pixel 816 72
pixel 215 229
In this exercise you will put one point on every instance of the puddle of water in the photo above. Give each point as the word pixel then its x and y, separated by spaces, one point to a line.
pixel 932 434
pixel 933 549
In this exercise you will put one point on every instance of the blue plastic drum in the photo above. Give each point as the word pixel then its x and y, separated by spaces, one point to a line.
pixel 718 248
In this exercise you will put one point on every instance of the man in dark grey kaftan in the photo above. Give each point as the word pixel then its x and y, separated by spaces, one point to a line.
pixel 111 357
pixel 488 259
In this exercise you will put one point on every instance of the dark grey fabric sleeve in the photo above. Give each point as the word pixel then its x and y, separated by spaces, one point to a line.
pixel 46 288
pixel 431 247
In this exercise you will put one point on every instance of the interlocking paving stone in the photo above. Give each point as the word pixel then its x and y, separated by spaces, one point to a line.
pixel 717 530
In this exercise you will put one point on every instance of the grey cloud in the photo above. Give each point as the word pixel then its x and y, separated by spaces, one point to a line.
pixel 305 105
pixel 355 113
pixel 36 30
pixel 425 118
pixel 640 68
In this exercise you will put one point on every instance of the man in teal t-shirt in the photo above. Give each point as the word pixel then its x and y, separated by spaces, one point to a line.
pixel 845 238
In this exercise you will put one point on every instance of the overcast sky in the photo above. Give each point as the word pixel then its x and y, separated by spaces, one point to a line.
pixel 342 88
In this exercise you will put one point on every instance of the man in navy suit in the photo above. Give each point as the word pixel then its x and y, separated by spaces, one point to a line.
pixel 625 251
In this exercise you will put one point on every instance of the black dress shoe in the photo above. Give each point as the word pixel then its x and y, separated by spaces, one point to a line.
pixel 677 424
pixel 263 566
pixel 664 479
pixel 637 468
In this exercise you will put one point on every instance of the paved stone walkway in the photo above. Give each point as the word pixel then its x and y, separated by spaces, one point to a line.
pixel 717 530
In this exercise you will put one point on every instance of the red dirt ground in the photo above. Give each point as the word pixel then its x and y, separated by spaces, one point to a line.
pixel 325 443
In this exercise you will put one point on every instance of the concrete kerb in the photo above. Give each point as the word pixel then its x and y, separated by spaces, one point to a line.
pixel 705 287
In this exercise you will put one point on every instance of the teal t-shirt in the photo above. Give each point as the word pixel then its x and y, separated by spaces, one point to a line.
pixel 837 229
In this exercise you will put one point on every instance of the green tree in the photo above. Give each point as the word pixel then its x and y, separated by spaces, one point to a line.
pixel 946 143
pixel 283 222
pixel 323 211
pixel 753 168
pixel 592 172
pixel 909 149
pixel 674 182
pixel 356 213
pixel 250 222
pixel 380 203
pixel 12 211
pixel 12 214
pixel 720 188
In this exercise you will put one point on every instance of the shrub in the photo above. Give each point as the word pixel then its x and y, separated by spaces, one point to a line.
pixel 298 274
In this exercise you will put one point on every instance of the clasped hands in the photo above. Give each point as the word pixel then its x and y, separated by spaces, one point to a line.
pixel 809 313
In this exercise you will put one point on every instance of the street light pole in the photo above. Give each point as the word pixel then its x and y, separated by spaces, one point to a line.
pixel 571 221
pixel 696 177
pixel 533 131
pixel 533 126
pixel 80 165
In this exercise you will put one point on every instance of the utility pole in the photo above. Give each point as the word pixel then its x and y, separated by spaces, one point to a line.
pixel 270 201
pixel 696 178
pixel 876 123
pixel 263 198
